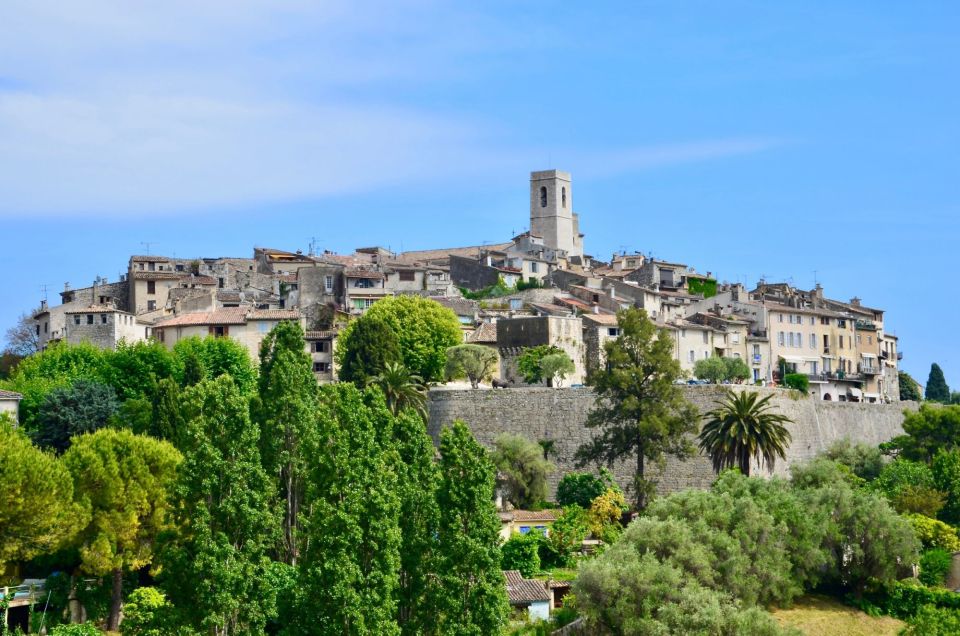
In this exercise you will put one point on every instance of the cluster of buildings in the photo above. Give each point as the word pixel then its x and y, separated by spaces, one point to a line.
pixel 843 347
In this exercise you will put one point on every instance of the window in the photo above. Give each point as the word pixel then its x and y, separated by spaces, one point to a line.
pixel 841 323
pixel 781 317
pixel 151 305
pixel 219 331
pixel 692 356
pixel 151 266
pixel 563 195
pixel 179 267
pixel 613 332
pixel 859 341
pixel 76 320
pixel 220 283
pixel 408 276
pixel 263 327
pixel 362 303
pixel 543 196
pixel 328 283
pixel 321 346
pixel 869 339
pixel 38 329
pixel 321 367
pixel 706 337
pixel 799 339
pixel 151 287
pixel 534 267
pixel 780 338
pixel 103 319
pixel 813 341
pixel 824 320
pixel 525 529
pixel 841 342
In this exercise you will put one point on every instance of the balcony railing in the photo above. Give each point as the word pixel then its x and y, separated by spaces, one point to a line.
pixel 870 370
pixel 865 325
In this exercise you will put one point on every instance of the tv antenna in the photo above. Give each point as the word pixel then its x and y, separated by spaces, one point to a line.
pixel 147 244
pixel 43 290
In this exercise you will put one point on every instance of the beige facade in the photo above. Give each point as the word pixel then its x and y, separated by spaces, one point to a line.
pixel 10 404
pixel 104 327
pixel 692 342
pixel 247 326
pixel 321 346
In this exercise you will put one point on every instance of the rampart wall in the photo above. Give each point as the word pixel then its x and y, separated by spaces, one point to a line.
pixel 559 415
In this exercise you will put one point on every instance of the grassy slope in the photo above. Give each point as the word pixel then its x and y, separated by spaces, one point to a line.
pixel 822 616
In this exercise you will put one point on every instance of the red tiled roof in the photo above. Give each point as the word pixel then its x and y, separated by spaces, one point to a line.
pixel 534 515
pixel 9 395
pixel 225 316
pixel 486 332
pixel 521 590
pixel 273 314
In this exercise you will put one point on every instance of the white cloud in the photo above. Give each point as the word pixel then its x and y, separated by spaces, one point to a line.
pixel 131 108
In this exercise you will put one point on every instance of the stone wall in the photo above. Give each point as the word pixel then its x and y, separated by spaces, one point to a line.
pixel 559 415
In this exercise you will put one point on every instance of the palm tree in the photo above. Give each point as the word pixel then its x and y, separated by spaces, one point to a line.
pixel 402 389
pixel 744 427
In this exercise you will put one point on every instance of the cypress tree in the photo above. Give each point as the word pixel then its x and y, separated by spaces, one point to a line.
pixel 474 599
pixel 937 389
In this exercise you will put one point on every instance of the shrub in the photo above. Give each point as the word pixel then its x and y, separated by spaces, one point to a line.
pixel 603 517
pixel 529 363
pixel 525 470
pixel 580 489
pixel 934 565
pixel 79 629
pixel 566 537
pixel 932 621
pixel 946 478
pixel 901 473
pixel 919 499
pixel 865 461
pixel 797 381
pixel 935 534
pixel 905 599
pixel 522 552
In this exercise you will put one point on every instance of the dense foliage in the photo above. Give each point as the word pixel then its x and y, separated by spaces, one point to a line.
pixel 909 388
pixel 937 389
pixel 744 428
pixel 529 362
pixel 365 349
pixel 474 362
pixel 580 489
pixel 524 469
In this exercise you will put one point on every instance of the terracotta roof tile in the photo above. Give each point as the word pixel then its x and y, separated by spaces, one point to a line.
pixel 9 395
pixel 535 515
pixel 273 314
pixel 225 316
pixel 521 590
pixel 485 333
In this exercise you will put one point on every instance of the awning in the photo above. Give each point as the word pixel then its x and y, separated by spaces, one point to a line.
pixel 854 392
pixel 793 360
pixel 868 355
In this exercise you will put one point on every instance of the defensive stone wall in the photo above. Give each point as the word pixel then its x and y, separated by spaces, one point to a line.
pixel 559 415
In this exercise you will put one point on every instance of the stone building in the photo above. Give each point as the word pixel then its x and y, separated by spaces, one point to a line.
pixel 516 334
pixel 321 346
pixel 103 327
pixel 10 403
pixel 245 325
pixel 598 329
pixel 551 212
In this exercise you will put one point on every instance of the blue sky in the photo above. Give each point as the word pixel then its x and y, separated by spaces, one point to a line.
pixel 792 140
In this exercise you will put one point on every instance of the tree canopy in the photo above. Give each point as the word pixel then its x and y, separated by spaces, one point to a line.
pixel 365 349
pixel 529 362
pixel 909 388
pixel 82 407
pixel 742 428
pixel 472 361
pixel 521 462
pixel 937 389
pixel 639 410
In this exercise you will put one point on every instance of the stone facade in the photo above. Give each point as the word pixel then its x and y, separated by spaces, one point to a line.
pixel 559 415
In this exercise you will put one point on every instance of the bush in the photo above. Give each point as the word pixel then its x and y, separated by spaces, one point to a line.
pixel 80 629
pixel 920 500
pixel 934 566
pixel 864 461
pixel 797 381
pixel 529 362
pixel 931 621
pixel 900 474
pixel 525 470
pixel 580 489
pixel 934 534
pixel 905 599
pixel 946 478
pixel 566 537
pixel 522 552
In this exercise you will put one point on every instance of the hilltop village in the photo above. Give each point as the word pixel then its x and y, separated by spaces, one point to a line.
pixel 538 288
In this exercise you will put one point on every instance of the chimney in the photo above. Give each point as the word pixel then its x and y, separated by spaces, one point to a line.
pixel 43 305
pixel 596 308
pixel 612 292
pixel 855 301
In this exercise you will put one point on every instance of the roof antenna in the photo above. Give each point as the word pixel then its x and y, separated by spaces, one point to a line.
pixel 147 245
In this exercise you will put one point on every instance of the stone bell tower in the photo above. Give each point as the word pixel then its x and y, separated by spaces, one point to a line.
pixel 551 211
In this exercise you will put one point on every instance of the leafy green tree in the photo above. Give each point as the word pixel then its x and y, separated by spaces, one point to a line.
pixel 946 478
pixel 286 415
pixel 639 410
pixel 123 482
pixel 556 367
pixel 133 369
pixel 603 516
pixel 59 365
pixel 934 534
pixel 474 362
pixel 474 602
pixel 402 389
pixel 934 566
pixel 797 382
pixel 214 565
pixel 580 489
pixel 522 552
pixel 865 461
pixel 365 348
pixel 867 541
pixel 8 363
pixel 83 407
pixel 529 362
pixel 147 612
pixel 424 328
pixel 566 535
pixel 37 512
pixel 351 557
pixel 735 369
pixel 909 388
pixel 711 369
pixel 521 462
pixel 937 389
pixel 928 430
pixel 166 419
pixel 417 479
pixel 909 487
pixel 743 427
pixel 212 357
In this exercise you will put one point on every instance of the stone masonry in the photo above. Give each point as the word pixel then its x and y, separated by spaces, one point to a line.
pixel 559 415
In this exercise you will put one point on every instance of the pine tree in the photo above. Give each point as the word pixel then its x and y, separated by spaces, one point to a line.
pixel 214 566
pixel 351 558
pixel 474 599
pixel 286 414
pixel 937 389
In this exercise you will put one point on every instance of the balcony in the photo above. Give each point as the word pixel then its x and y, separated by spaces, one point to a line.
pixel 899 355
pixel 826 351
pixel 870 370
pixel 865 325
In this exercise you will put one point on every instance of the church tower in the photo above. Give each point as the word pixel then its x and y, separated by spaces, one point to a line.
pixel 551 211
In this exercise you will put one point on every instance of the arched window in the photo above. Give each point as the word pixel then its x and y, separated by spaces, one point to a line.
pixel 563 195
pixel 543 196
